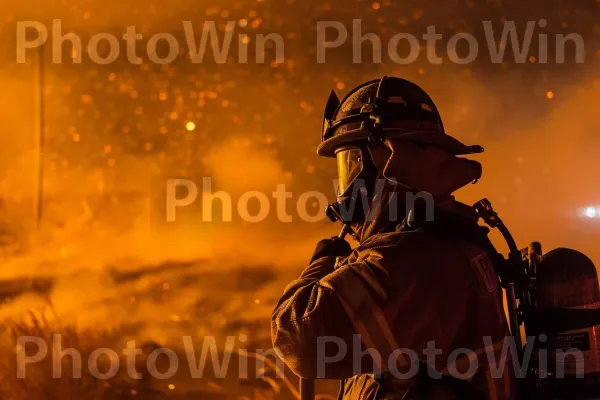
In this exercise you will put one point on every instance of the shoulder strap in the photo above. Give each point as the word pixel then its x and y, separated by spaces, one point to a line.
pixel 456 226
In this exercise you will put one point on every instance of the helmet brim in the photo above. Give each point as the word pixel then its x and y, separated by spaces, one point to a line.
pixel 431 137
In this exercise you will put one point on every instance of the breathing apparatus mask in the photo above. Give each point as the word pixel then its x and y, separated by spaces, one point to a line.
pixel 357 178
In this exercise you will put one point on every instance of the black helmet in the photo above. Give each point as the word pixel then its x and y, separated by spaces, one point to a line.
pixel 386 108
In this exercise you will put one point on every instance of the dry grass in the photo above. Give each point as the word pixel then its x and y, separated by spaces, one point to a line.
pixel 38 382
pixel 222 303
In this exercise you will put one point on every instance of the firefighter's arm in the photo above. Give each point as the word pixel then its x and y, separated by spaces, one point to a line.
pixel 351 309
pixel 313 328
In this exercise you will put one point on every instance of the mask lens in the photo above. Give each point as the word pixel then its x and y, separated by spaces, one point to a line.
pixel 349 166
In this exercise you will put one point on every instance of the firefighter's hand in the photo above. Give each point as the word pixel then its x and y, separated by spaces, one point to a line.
pixel 334 247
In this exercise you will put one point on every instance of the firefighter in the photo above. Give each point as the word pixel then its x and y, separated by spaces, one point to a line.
pixel 415 310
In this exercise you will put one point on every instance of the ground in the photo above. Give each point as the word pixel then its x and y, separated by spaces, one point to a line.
pixel 228 302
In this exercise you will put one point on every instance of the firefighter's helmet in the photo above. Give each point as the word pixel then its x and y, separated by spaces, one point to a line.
pixel 386 108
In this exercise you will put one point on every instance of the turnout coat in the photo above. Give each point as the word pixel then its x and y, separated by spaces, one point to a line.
pixel 414 298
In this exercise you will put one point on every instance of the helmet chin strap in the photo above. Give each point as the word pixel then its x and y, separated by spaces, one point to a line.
pixel 350 208
pixel 359 204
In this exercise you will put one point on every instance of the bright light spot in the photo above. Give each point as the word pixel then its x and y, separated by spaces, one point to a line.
pixel 171 386
pixel 550 94
pixel 591 212
pixel 190 126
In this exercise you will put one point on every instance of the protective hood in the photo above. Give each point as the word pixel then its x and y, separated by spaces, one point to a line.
pixel 414 169
pixel 429 168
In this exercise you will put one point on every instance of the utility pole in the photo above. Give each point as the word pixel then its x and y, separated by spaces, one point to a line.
pixel 39 137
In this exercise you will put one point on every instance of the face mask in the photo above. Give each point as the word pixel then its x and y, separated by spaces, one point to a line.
pixel 350 165
pixel 357 178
